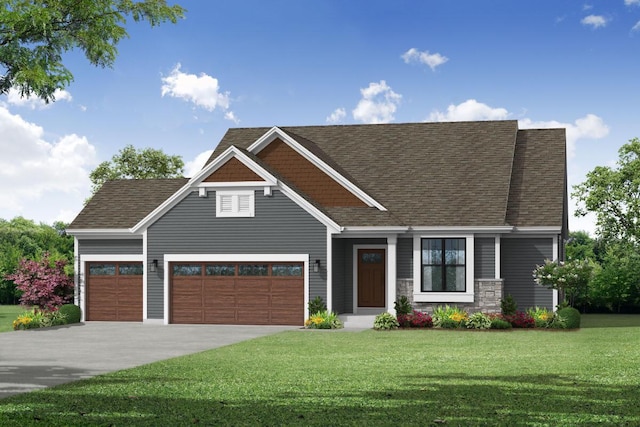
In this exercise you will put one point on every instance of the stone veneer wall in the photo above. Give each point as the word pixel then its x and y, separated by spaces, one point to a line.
pixel 488 293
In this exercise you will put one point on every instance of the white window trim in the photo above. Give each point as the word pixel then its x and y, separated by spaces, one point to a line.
pixel 443 297
pixel 82 278
pixel 303 258
pixel 236 194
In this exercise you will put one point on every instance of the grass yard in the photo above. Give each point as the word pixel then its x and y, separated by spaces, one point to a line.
pixel 428 377
pixel 8 314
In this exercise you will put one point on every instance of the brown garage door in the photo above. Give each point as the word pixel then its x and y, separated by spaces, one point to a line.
pixel 114 291
pixel 237 293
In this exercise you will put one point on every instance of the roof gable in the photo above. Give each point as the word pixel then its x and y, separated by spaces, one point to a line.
pixel 232 171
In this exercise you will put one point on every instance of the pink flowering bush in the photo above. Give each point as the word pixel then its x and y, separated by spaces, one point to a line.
pixel 43 283
pixel 416 319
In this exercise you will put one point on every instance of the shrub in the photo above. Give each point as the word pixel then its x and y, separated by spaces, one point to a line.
pixel 541 316
pixel 449 317
pixel 38 319
pixel 520 320
pixel 417 319
pixel 558 322
pixel 498 323
pixel 571 316
pixel 324 320
pixel 385 321
pixel 72 313
pixel 508 305
pixel 479 321
pixel 317 305
pixel 403 306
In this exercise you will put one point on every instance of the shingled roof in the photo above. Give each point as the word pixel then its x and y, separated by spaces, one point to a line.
pixel 465 174
pixel 121 204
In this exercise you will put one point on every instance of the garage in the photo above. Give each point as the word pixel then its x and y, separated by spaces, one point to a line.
pixel 237 293
pixel 114 291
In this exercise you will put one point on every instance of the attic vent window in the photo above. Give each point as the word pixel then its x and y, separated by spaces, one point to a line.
pixel 235 204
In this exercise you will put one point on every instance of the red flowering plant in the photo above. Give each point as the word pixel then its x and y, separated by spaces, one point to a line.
pixel 43 283
pixel 416 319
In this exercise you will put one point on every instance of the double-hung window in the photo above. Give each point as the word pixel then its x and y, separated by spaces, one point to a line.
pixel 443 265
pixel 235 203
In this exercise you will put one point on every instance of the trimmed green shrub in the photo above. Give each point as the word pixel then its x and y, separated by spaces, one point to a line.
pixel 508 305
pixel 403 306
pixel 498 323
pixel 385 321
pixel 317 305
pixel 479 321
pixel 71 311
pixel 571 316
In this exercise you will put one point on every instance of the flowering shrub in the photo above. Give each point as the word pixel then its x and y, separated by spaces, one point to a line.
pixel 38 319
pixel 541 316
pixel 449 317
pixel 571 278
pixel 324 320
pixel 43 283
pixel 417 319
pixel 520 320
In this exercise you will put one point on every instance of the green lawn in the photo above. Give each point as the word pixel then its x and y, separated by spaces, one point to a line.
pixel 8 314
pixel 429 377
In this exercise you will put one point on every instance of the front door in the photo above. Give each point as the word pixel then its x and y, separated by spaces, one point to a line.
pixel 371 277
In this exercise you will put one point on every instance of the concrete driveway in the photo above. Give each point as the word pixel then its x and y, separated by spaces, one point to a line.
pixel 39 358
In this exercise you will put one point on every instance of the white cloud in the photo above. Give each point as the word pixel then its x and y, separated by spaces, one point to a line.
pixel 587 7
pixel 378 104
pixel 636 27
pixel 589 127
pixel 431 59
pixel 40 179
pixel 203 91
pixel 632 2
pixel 33 102
pixel 337 116
pixel 596 21
pixel 194 166
pixel 468 110
pixel 230 115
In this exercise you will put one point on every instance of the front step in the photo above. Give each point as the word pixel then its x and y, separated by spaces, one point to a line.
pixel 357 321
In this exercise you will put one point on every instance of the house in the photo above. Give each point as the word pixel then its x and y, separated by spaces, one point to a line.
pixel 443 213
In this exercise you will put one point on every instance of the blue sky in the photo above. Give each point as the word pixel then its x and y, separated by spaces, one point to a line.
pixel 546 63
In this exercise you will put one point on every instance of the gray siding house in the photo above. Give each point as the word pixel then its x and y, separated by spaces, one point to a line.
pixel 359 215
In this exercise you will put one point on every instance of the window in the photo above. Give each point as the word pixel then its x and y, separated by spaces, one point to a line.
pixel 235 203
pixel 187 270
pixel 102 269
pixel 443 265
pixel 286 270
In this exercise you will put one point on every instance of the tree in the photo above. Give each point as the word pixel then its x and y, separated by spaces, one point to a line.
pixel 617 285
pixel 34 35
pixel 569 278
pixel 580 246
pixel 43 283
pixel 613 194
pixel 130 163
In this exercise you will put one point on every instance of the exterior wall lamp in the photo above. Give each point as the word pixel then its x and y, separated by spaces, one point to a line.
pixel 316 266
pixel 154 266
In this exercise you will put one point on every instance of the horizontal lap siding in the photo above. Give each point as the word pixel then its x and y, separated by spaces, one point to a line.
pixel 519 257
pixel 109 246
pixel 191 227
pixel 485 254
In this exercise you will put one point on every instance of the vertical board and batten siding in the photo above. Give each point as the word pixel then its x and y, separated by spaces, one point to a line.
pixel 519 257
pixel 110 246
pixel 280 226
pixel 485 258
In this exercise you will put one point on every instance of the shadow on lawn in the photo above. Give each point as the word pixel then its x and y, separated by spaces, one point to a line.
pixel 423 400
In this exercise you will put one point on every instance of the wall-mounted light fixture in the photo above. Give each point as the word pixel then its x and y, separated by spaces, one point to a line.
pixel 154 266
pixel 316 266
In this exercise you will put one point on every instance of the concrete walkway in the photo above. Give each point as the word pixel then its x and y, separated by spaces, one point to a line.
pixel 39 358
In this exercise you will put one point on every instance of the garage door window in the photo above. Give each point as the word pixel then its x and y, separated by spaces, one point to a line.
pixel 130 269
pixel 253 270
pixel 187 269
pixel 221 270
pixel 102 269
pixel 286 270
